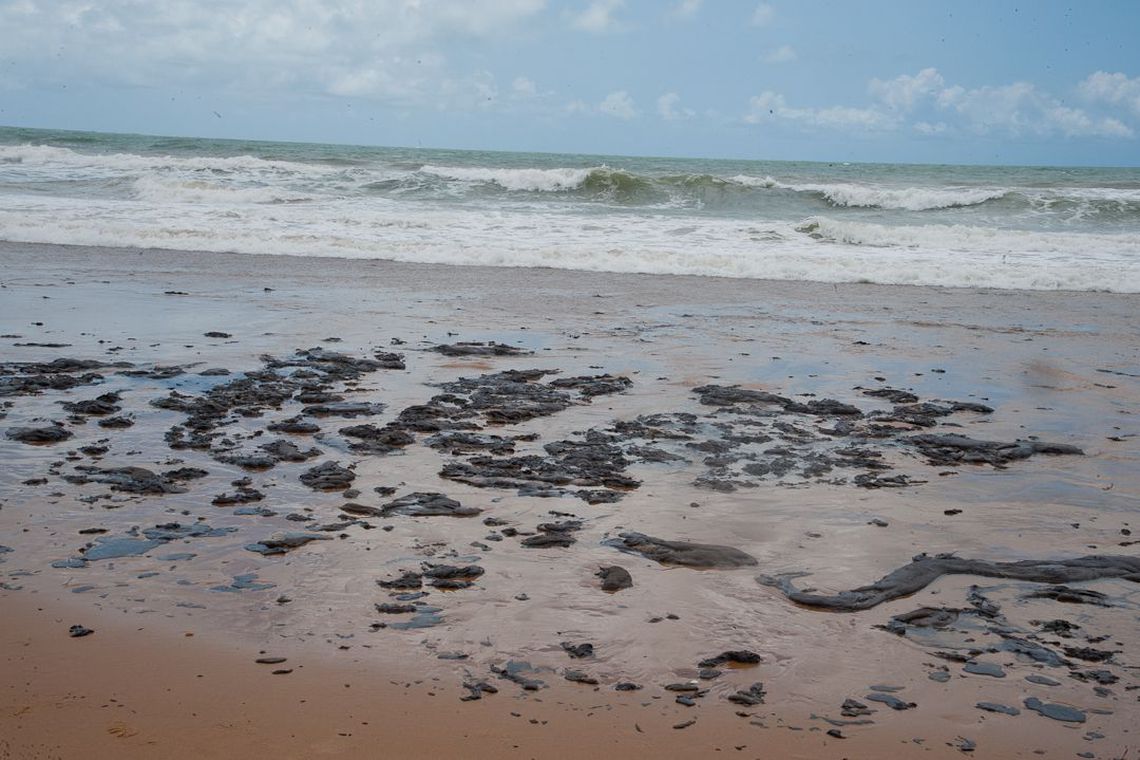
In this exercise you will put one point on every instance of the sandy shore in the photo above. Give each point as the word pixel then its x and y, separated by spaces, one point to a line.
pixel 169 670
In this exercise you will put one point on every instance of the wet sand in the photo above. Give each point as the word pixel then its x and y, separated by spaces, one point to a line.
pixel 1061 366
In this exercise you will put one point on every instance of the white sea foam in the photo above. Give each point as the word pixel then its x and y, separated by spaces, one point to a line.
pixel 164 189
pixel 548 180
pixel 960 238
pixel 840 251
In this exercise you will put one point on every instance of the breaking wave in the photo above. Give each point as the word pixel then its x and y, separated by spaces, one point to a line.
pixel 871 196
pixel 1036 228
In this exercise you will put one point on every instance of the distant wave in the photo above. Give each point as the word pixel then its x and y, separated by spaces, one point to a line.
pixel 48 157
pixel 321 174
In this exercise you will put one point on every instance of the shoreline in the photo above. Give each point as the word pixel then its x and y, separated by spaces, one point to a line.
pixel 1042 359
pixel 81 255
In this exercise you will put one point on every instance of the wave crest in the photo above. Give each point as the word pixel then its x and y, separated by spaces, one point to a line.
pixel 906 199
pixel 853 195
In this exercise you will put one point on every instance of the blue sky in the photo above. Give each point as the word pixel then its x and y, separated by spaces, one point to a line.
pixel 1034 82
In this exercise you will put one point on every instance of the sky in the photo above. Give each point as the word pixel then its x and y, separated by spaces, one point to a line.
pixel 995 82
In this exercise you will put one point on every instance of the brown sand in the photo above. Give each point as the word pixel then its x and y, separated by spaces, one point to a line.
pixel 141 687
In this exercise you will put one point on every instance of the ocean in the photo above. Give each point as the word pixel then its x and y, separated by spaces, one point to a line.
pixel 1038 228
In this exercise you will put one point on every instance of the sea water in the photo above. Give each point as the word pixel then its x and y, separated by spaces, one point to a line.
pixel 982 226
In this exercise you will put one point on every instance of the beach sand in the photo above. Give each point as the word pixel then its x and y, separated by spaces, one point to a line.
pixel 169 670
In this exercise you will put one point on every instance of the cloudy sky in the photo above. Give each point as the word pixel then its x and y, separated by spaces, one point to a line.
pixel 1027 81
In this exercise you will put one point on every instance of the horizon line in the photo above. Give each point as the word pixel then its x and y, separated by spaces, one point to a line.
pixel 376 146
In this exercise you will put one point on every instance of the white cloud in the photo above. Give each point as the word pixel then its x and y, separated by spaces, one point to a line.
pixel 1113 127
pixel 1016 109
pixel 524 88
pixel 668 110
pixel 770 107
pixel 926 128
pixel 685 9
pixel 1021 109
pixel 483 87
pixel 619 105
pixel 763 107
pixel 763 14
pixel 475 91
pixel 383 49
pixel 842 117
pixel 1073 122
pixel 361 82
pixel 903 91
pixel 1115 88
pixel 598 16
pixel 782 54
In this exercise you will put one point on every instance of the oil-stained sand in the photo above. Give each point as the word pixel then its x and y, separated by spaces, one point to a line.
pixel 784 428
